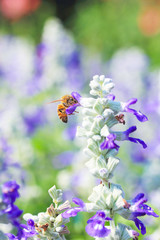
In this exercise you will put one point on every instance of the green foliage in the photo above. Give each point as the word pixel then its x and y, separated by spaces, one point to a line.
pixel 106 26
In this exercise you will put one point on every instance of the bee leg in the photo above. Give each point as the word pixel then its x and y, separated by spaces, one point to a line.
pixel 76 112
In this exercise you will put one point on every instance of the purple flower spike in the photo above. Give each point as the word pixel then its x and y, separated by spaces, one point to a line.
pixel 72 212
pixel 138 209
pixel 109 142
pixel 140 116
pixel 95 226
pixel 131 139
pixel 10 192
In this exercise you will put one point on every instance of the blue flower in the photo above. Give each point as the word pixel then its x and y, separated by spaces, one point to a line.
pixel 28 230
pixel 72 212
pixel 122 136
pixel 11 236
pixel 95 225
pixel 10 192
pixel 138 208
pixel 25 231
pixel 140 116
pixel 109 142
pixel 72 108
pixel 13 212
pixel 131 139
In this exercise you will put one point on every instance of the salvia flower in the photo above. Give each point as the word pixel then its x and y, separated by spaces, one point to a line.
pixel 138 208
pixel 10 192
pixel 72 108
pixel 11 236
pixel 109 142
pixel 72 212
pixel 95 225
pixel 101 113
pixel 122 136
pixel 25 231
pixel 29 229
pixel 126 108
pixel 13 212
pixel 9 195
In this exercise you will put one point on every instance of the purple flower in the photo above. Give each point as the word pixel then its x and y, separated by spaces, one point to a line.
pixel 139 208
pixel 109 142
pixel 95 225
pixel 13 212
pixel 9 195
pixel 140 116
pixel 72 108
pixel 10 192
pixel 25 231
pixel 111 97
pixel 28 230
pixel 11 236
pixel 72 212
pixel 131 139
pixel 77 96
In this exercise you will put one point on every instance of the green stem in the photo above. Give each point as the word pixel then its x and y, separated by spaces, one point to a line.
pixel 56 205
pixel 112 223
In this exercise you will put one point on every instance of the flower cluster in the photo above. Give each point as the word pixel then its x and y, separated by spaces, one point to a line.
pixel 50 224
pixel 101 114
pixel 9 195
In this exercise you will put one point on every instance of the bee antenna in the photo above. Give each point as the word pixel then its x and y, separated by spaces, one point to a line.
pixel 55 101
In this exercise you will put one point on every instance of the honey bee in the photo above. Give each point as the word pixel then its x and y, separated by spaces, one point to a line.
pixel 66 101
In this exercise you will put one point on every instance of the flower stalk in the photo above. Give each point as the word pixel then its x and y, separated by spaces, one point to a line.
pixel 101 113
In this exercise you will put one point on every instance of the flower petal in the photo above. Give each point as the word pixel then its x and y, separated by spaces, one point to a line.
pixel 97 229
pixel 71 212
pixel 76 95
pixel 139 224
pixel 78 202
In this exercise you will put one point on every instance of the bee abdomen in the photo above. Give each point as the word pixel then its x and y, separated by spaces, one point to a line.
pixel 62 113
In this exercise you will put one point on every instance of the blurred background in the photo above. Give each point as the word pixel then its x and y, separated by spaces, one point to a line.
pixel 49 48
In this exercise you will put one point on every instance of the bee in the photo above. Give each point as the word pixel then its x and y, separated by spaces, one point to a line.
pixel 66 101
